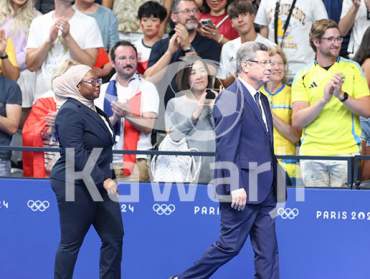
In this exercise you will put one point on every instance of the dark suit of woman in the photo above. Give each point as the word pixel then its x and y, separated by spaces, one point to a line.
pixel 83 129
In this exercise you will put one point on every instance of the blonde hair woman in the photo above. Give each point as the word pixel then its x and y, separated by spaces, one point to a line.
pixel 279 94
pixel 15 18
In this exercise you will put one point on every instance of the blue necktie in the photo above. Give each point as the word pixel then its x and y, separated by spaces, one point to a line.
pixel 257 99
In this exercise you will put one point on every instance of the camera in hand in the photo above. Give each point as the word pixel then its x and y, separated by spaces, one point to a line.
pixel 210 94
pixel 207 22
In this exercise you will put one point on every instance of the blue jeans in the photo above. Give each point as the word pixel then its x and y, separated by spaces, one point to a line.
pixel 365 125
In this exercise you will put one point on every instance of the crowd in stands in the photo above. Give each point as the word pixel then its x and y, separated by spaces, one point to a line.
pixel 161 64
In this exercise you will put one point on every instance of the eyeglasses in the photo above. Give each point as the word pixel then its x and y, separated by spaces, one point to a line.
pixel 333 39
pixel 277 63
pixel 188 11
pixel 93 82
pixel 263 63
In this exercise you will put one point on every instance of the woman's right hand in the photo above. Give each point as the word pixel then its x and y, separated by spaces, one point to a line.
pixel 202 103
pixel 110 186
pixel 207 102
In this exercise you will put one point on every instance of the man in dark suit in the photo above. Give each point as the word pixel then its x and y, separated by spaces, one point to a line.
pixel 244 138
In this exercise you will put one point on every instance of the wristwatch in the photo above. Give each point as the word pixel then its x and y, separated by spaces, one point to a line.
pixel 344 97
pixel 4 56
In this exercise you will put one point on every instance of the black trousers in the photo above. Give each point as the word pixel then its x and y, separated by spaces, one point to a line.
pixel 75 220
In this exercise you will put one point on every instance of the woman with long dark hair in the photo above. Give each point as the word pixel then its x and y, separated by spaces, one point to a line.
pixel 190 116
pixel 363 58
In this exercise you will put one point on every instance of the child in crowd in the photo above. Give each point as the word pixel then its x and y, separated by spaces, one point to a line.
pixel 151 15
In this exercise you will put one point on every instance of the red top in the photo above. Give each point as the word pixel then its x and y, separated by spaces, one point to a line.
pixel 225 28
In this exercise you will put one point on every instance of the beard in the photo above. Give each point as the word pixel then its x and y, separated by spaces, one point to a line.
pixel 191 25
pixel 333 53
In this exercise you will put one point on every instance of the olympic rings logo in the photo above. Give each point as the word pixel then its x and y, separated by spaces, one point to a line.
pixel 38 205
pixel 164 209
pixel 288 213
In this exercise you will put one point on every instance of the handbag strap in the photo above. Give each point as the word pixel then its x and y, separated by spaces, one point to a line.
pixel 286 24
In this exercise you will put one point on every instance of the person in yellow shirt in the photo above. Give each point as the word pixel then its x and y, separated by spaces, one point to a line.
pixel 8 62
pixel 279 94
pixel 328 97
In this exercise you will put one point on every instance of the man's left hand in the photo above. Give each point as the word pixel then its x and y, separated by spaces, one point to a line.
pixel 238 199
pixel 338 80
pixel 182 35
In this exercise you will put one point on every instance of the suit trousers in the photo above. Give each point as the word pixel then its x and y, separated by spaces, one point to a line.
pixel 254 221
pixel 75 220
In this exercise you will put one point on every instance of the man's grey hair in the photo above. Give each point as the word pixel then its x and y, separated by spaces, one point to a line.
pixel 176 3
pixel 246 52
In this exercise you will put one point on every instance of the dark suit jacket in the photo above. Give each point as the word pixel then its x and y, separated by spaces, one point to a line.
pixel 241 138
pixel 81 128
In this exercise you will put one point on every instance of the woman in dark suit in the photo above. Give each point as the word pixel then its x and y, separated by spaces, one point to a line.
pixel 84 186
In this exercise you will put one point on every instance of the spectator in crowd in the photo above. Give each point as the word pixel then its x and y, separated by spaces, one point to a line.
pixel 290 32
pixel 128 23
pixel 15 19
pixel 10 116
pixel 151 15
pixel 8 61
pixel 57 36
pixel 82 127
pixel 108 26
pixel 215 21
pixel 105 19
pixel 9 69
pixel 279 94
pixel 334 10
pixel 242 14
pixel 132 104
pixel 190 116
pixel 38 131
pixel 356 16
pixel 185 41
pixel 328 97
pixel 363 58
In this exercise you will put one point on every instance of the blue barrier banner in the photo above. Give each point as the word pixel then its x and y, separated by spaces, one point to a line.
pixel 168 227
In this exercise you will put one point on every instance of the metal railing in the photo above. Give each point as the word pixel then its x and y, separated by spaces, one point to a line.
pixel 353 162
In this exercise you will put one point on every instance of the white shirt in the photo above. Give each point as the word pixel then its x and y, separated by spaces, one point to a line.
pixel 84 31
pixel 359 27
pixel 296 44
pixel 143 51
pixel 253 92
pixel 149 102
pixel 228 55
